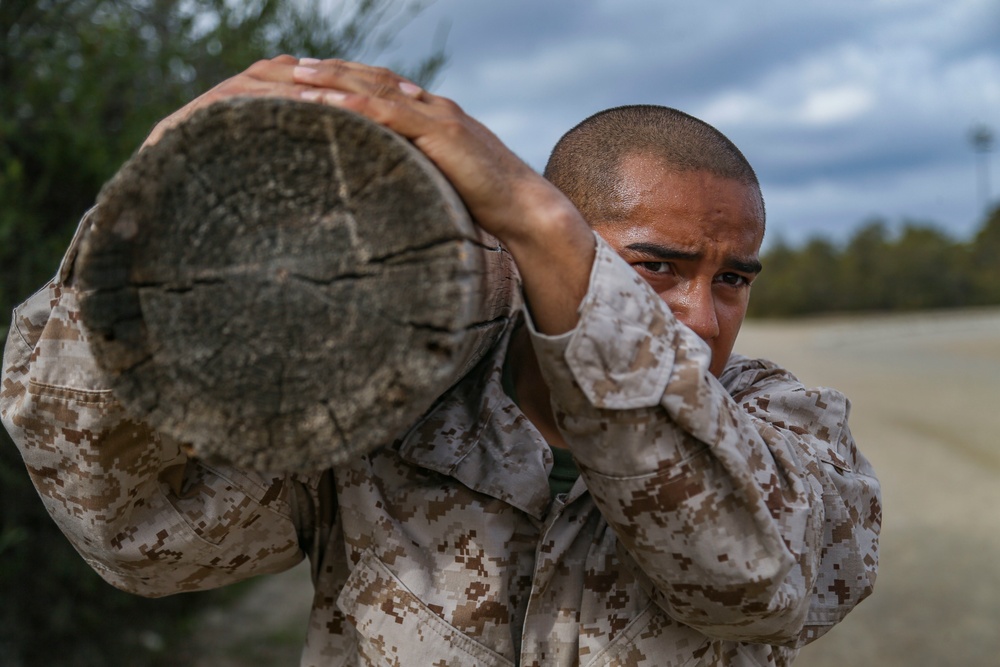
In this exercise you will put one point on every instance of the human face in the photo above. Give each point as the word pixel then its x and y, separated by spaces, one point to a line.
pixel 695 238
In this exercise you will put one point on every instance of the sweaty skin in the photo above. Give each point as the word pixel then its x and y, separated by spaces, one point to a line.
pixel 695 238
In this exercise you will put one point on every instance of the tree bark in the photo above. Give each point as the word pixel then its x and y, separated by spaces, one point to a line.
pixel 286 286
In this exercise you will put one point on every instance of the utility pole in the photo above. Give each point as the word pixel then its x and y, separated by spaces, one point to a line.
pixel 981 138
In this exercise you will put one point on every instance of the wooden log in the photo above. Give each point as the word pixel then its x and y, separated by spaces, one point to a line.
pixel 285 285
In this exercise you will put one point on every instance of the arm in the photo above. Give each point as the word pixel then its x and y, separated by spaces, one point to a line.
pixel 750 516
pixel 147 518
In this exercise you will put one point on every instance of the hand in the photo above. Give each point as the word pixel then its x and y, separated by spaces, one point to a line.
pixel 266 78
pixel 548 238
pixel 492 181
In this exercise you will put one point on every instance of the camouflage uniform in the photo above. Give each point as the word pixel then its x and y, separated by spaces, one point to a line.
pixel 716 522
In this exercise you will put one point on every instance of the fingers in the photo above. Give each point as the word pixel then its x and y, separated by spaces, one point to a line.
pixel 375 92
pixel 355 78
pixel 265 78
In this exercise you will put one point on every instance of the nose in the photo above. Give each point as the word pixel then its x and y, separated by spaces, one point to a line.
pixel 695 307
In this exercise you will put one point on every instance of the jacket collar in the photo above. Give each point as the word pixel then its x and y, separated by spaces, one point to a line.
pixel 477 435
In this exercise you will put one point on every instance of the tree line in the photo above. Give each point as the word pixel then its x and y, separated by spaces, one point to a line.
pixel 919 267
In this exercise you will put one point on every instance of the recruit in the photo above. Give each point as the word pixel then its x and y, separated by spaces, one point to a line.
pixel 611 485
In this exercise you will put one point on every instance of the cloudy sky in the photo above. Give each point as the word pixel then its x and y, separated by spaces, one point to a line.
pixel 848 110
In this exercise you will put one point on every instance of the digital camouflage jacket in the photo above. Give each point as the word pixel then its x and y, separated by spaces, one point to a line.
pixel 716 522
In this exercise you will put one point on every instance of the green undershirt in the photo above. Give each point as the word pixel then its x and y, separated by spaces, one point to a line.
pixel 564 470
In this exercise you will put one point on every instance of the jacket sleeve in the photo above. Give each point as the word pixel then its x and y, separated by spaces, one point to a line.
pixel 748 512
pixel 149 519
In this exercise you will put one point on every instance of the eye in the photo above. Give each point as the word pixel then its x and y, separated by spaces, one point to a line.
pixel 658 268
pixel 733 280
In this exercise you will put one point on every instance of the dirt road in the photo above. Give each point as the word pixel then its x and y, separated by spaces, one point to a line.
pixel 926 397
pixel 926 411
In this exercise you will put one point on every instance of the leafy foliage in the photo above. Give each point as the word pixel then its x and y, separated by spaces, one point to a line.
pixel 918 269
pixel 83 82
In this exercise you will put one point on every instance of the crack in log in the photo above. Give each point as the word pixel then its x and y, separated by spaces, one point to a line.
pixel 225 275
pixel 405 255
pixel 142 361
pixel 211 189
pixel 340 277
pixel 486 324
pixel 176 286
pixel 437 328
pixel 350 222
pixel 336 422
pixel 374 177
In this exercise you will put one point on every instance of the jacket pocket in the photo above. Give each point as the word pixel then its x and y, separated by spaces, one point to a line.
pixel 395 628
pixel 653 639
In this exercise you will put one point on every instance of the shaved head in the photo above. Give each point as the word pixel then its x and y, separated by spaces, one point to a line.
pixel 586 163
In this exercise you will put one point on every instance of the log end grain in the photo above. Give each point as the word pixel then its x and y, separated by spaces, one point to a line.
pixel 286 286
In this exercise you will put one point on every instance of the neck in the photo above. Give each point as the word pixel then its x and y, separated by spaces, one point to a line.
pixel 529 386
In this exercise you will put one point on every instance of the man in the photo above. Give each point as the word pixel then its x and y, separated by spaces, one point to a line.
pixel 721 514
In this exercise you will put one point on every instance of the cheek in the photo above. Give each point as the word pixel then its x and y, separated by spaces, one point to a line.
pixel 730 316
pixel 679 300
pixel 666 286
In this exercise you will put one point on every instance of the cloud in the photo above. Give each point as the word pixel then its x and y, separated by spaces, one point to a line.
pixel 816 107
pixel 928 195
pixel 847 109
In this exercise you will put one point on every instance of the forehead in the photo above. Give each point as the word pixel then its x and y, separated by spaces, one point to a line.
pixel 692 210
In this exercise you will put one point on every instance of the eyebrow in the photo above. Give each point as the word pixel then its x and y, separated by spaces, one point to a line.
pixel 665 253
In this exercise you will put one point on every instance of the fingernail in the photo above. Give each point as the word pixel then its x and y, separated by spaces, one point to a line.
pixel 334 96
pixel 311 95
pixel 309 61
pixel 410 89
pixel 305 72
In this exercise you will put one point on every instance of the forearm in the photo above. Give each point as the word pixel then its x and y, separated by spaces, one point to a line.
pixel 723 510
pixel 554 252
pixel 548 238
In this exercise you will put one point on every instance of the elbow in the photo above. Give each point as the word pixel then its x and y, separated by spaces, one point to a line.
pixel 152 567
pixel 764 599
pixel 777 621
pixel 762 609
pixel 123 576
